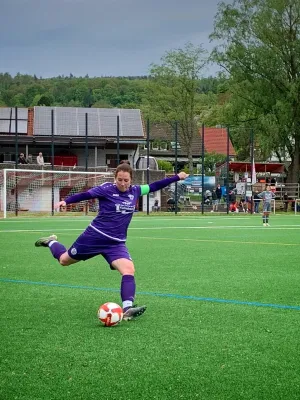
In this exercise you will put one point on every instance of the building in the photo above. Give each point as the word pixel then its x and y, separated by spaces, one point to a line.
pixel 89 137
pixel 162 144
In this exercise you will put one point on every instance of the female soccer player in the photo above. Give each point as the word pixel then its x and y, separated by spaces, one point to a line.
pixel 267 195
pixel 107 233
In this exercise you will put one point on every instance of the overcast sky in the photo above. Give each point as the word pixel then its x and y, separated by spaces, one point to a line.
pixel 98 37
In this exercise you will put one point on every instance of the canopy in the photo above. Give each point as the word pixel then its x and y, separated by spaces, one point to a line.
pixel 240 166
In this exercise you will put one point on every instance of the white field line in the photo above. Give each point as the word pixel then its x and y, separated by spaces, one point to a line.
pixel 280 227
pixel 178 239
pixel 135 219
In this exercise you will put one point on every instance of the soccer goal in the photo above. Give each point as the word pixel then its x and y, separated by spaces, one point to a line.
pixel 297 206
pixel 35 192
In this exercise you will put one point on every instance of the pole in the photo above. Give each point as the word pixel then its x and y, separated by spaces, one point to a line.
pixel 227 178
pixel 86 142
pixel 252 166
pixel 176 166
pixel 148 164
pixel 86 156
pixel 17 156
pixel 118 140
pixel 52 161
pixel 202 156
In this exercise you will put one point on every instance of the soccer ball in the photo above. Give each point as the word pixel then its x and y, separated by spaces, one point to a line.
pixel 110 314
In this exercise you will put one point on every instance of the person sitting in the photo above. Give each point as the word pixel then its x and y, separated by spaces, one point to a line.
pixel 208 197
pixel 233 207
pixel 22 159
pixel 40 159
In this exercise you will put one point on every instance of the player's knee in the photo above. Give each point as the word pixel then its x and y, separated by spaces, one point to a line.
pixel 127 269
pixel 64 261
pixel 130 269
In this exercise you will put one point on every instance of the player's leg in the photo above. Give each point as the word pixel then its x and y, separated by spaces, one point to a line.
pixel 264 216
pixel 57 249
pixel 126 268
pixel 268 210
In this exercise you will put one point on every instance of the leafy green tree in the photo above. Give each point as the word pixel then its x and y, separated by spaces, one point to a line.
pixel 260 52
pixel 165 165
pixel 43 100
pixel 210 162
pixel 172 92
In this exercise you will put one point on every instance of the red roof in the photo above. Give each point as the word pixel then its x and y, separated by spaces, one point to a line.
pixel 215 140
pixel 239 166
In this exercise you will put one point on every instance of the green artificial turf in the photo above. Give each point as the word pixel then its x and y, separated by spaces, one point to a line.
pixel 222 319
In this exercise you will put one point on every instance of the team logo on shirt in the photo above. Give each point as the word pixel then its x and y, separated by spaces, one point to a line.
pixel 73 251
pixel 126 207
pixel 131 196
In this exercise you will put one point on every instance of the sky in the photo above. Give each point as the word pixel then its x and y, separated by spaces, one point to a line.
pixel 99 37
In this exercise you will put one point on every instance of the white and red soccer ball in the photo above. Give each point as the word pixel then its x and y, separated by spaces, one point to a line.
pixel 110 314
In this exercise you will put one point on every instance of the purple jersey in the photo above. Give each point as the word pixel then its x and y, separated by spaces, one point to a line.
pixel 116 210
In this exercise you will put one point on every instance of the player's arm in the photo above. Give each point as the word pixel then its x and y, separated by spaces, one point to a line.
pixel 260 195
pixel 155 186
pixel 93 193
pixel 75 198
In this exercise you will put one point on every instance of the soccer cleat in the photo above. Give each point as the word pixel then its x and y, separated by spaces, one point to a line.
pixel 264 224
pixel 267 224
pixel 44 241
pixel 133 312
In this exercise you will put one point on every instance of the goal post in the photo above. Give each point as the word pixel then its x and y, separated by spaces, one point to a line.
pixel 35 192
pixel 297 206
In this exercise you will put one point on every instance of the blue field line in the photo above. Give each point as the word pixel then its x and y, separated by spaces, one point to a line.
pixel 169 295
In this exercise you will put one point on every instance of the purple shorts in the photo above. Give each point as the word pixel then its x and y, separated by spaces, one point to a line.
pixel 91 243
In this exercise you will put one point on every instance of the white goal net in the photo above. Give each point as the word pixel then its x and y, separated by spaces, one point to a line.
pixel 37 191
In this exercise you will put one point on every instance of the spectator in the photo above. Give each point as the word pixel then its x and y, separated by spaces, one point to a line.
pixel 22 159
pixel 242 205
pixel 256 202
pixel 215 200
pixel 286 201
pixel 232 197
pixel 219 193
pixel 156 205
pixel 207 197
pixel 40 159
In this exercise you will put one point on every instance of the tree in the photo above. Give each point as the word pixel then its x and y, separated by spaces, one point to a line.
pixel 260 51
pixel 210 162
pixel 165 165
pixel 173 90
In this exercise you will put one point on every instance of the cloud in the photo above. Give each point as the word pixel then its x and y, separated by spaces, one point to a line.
pixel 106 37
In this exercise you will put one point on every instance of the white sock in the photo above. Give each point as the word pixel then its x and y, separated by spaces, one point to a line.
pixel 127 303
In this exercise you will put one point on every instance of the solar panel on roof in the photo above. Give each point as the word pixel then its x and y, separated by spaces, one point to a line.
pixel 70 121
pixel 8 120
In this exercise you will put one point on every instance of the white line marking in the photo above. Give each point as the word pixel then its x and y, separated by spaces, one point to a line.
pixel 281 227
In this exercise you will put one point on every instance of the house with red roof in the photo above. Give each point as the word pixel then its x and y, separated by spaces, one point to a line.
pixel 162 144
pixel 215 141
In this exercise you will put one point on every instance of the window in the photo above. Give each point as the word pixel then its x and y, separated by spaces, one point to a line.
pixel 173 145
